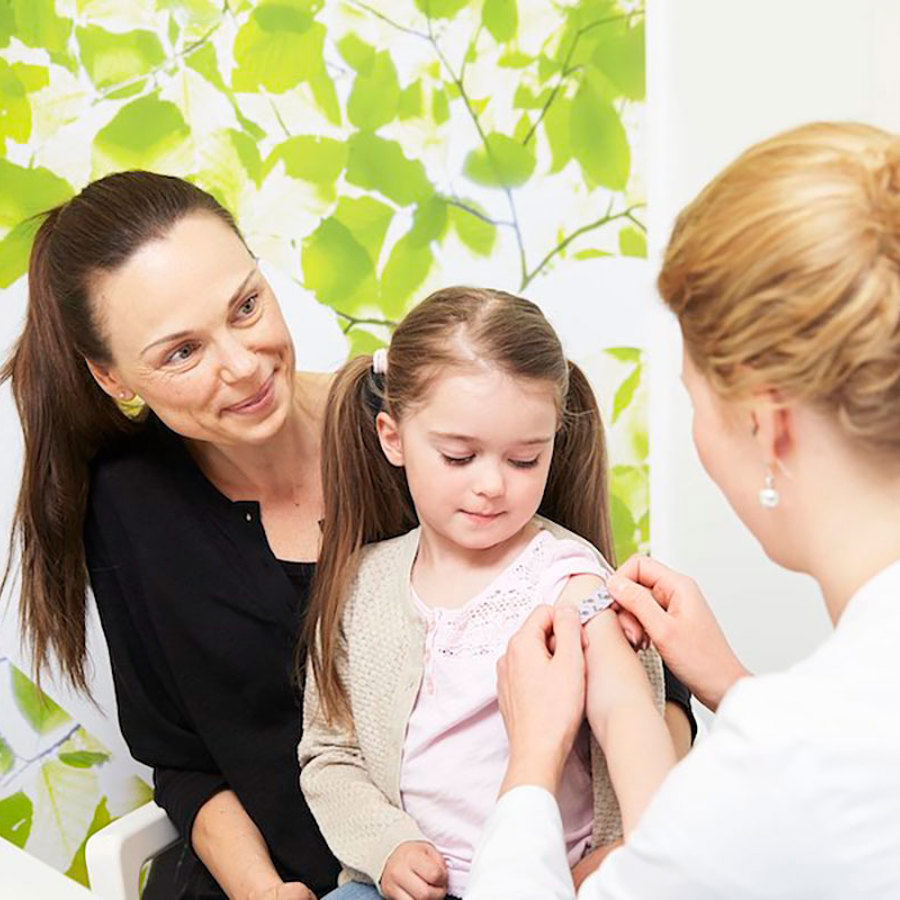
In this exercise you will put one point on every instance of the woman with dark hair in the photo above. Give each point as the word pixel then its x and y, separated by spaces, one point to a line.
pixel 196 523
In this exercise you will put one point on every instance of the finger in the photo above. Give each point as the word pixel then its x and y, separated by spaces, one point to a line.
pixel 419 889
pixel 637 600
pixel 661 580
pixel 633 629
pixel 536 629
pixel 431 869
pixel 567 630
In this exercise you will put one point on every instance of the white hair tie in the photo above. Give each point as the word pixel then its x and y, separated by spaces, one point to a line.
pixel 380 361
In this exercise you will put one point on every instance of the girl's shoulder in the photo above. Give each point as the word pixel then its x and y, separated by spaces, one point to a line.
pixel 392 557
pixel 562 536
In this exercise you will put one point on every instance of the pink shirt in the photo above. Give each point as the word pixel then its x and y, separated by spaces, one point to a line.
pixel 456 749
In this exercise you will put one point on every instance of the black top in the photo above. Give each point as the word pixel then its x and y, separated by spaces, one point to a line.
pixel 201 621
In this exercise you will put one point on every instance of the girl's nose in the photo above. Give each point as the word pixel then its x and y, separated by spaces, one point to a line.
pixel 489 482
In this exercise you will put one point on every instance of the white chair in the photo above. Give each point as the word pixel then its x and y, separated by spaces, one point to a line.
pixel 25 876
pixel 115 854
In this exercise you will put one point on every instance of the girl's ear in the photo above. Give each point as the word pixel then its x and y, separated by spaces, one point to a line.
pixel 389 437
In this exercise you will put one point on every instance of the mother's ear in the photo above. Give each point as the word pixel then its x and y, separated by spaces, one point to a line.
pixel 389 437
pixel 109 381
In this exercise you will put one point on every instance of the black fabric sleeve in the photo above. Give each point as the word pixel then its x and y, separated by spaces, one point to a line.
pixel 155 726
pixel 676 692
pixel 181 794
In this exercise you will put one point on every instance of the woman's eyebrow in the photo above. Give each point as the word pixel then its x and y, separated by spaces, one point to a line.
pixel 177 335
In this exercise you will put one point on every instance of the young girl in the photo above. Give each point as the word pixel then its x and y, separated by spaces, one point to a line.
pixel 464 472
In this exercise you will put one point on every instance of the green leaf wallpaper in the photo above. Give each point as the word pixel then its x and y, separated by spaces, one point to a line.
pixel 371 151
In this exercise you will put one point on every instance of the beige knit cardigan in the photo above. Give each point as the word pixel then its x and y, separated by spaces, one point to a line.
pixel 351 777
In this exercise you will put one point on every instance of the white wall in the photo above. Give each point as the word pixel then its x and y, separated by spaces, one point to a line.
pixel 723 74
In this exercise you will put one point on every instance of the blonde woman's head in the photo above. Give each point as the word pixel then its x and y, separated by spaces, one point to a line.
pixel 784 274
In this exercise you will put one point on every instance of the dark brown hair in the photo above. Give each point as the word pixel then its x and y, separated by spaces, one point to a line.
pixel 66 417
pixel 367 499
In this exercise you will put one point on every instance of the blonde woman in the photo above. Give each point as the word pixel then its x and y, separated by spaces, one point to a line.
pixel 785 277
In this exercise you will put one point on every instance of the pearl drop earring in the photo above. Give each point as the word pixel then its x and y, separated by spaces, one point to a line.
pixel 769 496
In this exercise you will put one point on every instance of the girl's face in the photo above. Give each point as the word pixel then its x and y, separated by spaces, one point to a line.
pixel 195 330
pixel 477 453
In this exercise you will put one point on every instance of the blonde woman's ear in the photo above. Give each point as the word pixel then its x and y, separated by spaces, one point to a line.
pixel 389 437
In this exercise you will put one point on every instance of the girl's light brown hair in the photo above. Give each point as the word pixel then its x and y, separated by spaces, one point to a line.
pixel 66 418
pixel 367 499
pixel 784 274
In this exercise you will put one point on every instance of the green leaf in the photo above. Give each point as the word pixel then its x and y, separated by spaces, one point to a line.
pixel 278 47
pixel 429 221
pixel 377 164
pixel 28 191
pixel 15 110
pixel 204 62
pixel 147 133
pixel 83 759
pixel 77 870
pixel 522 129
pixel 547 67
pixel 368 220
pixel 620 55
pixel 362 342
pixel 319 160
pixel 248 152
pixel 525 98
pixel 557 127
pixel 33 78
pixel 14 250
pixel 375 96
pixel 130 90
pixel 410 105
pixel 631 484
pixel 41 713
pixel 632 243
pixel 6 757
pixel 334 263
pixel 16 816
pixel 356 52
pixel 501 18
pixel 38 25
pixel 625 354
pixel 441 9
pixel 440 106
pixel 110 58
pixel 325 95
pixel 7 23
pixel 625 393
pixel 591 253
pixel 504 163
pixel 599 142
pixel 515 59
pixel 623 527
pixel 406 269
pixel 478 235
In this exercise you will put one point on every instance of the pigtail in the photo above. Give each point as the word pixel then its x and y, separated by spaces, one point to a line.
pixel 366 500
pixel 576 495
pixel 65 418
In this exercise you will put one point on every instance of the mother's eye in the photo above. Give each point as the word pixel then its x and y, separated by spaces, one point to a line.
pixel 180 354
pixel 249 306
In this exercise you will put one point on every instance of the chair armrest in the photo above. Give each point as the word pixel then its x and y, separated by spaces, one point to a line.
pixel 115 854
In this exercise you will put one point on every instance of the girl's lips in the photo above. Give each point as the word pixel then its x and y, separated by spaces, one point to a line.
pixel 257 401
pixel 482 517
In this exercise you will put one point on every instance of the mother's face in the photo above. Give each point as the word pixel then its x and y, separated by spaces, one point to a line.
pixel 195 330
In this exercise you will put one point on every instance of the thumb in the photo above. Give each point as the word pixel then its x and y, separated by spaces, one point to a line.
pixel 637 600
pixel 567 630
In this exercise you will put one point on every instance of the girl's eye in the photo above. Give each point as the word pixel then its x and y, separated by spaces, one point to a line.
pixel 457 460
pixel 182 354
pixel 248 307
pixel 525 463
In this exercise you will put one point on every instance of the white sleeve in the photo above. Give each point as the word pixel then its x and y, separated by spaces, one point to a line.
pixel 521 855
pixel 725 823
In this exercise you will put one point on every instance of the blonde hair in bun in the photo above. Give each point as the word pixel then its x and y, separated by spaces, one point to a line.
pixel 784 274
